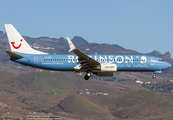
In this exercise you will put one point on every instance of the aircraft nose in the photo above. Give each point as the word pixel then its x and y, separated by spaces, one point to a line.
pixel 168 65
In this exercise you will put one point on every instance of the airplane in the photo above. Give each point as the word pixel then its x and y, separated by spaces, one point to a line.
pixel 102 65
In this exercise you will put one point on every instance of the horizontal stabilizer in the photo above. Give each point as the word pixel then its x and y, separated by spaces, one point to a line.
pixel 13 55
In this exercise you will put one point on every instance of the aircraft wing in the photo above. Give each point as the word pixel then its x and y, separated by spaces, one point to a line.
pixel 84 59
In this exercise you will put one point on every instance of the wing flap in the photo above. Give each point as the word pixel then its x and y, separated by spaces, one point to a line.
pixel 83 56
pixel 13 55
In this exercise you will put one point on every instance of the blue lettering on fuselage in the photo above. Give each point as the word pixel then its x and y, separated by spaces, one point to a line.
pixel 111 58
pixel 68 62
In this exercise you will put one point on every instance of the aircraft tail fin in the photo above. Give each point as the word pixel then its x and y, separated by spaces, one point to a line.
pixel 18 43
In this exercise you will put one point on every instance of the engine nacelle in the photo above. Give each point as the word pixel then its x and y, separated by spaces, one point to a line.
pixel 107 67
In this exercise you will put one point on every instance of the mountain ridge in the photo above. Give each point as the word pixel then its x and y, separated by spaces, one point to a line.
pixel 79 42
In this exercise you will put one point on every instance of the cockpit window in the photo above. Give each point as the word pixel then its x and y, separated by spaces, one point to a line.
pixel 161 60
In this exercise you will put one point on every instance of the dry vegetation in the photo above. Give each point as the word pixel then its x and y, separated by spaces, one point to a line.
pixel 25 90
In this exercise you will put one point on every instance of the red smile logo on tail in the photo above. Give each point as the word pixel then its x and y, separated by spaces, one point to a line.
pixel 16 47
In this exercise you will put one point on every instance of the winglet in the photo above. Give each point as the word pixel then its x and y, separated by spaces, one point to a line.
pixel 72 47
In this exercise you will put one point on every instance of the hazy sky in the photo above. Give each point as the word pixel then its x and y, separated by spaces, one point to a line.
pixel 141 25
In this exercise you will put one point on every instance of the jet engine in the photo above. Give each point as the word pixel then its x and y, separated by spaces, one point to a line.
pixel 107 67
